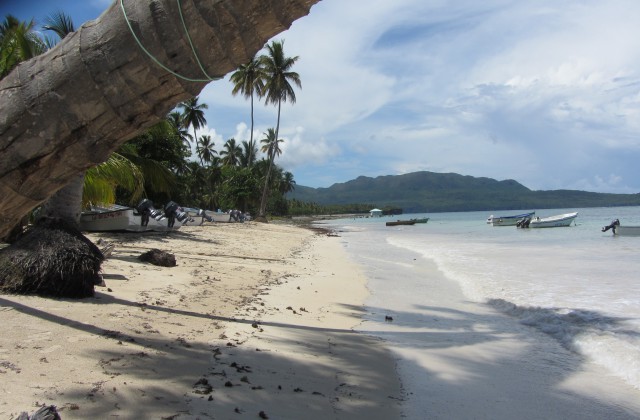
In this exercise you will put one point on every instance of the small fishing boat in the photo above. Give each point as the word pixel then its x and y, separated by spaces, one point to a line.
pixel 508 220
pixel 559 220
pixel 142 218
pixel 401 222
pixel 622 230
pixel 422 220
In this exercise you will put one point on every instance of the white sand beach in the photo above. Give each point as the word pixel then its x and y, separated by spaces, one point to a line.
pixel 255 321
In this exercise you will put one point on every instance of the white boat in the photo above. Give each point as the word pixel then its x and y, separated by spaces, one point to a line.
pixel 122 218
pixel 622 230
pixel 553 221
pixel 508 220
pixel 200 215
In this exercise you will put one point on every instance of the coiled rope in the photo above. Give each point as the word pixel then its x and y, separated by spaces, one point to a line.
pixel 155 60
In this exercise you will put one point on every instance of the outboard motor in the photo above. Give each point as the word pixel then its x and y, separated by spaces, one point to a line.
pixel 173 211
pixel 612 225
pixel 146 210
pixel 203 214
pixel 524 222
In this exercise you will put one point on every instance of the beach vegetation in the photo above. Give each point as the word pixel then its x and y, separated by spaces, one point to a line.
pixel 248 80
pixel 278 77
pixel 193 114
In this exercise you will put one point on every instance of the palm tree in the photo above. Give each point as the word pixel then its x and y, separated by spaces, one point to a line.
pixel 277 88
pixel 249 154
pixel 177 122
pixel 60 23
pixel 287 183
pixel 111 89
pixel 249 79
pixel 193 114
pixel 205 149
pixel 18 42
pixel 270 145
pixel 231 153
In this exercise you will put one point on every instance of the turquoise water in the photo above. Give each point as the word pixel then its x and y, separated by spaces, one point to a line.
pixel 577 286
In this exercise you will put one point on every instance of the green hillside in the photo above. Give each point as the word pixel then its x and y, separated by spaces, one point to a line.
pixel 435 192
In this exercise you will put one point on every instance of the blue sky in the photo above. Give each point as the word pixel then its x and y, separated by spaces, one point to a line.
pixel 543 92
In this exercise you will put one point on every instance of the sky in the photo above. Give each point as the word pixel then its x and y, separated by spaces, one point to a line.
pixel 544 92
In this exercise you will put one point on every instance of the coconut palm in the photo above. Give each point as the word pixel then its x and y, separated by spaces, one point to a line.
pixel 177 122
pixel 277 88
pixel 205 149
pixel 231 153
pixel 100 182
pixel 193 114
pixel 270 145
pixel 249 79
pixel 249 154
pixel 111 89
pixel 18 42
pixel 60 23
pixel 287 183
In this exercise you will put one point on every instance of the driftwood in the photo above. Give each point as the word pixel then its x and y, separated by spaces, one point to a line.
pixel 158 257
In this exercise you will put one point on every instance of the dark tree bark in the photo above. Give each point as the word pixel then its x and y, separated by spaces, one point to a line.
pixel 68 109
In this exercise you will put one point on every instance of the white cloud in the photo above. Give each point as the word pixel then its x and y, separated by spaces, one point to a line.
pixel 546 93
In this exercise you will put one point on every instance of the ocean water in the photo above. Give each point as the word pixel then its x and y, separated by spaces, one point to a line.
pixel 575 287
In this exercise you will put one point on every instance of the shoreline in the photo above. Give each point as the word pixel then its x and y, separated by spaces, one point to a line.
pixel 256 318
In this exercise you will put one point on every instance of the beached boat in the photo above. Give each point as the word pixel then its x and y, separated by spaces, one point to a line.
pixel 121 218
pixel 200 216
pixel 401 222
pixel 422 220
pixel 508 220
pixel 559 220
pixel 622 230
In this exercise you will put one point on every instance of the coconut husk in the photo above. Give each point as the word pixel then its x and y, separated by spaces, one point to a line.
pixel 52 258
pixel 158 257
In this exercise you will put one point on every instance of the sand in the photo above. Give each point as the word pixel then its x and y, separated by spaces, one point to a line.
pixel 255 321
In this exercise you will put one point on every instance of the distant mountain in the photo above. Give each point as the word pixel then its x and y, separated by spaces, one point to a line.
pixel 419 192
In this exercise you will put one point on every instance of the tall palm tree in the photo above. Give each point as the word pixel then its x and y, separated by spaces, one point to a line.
pixel 270 145
pixel 67 202
pixel 177 122
pixel 277 88
pixel 231 153
pixel 193 114
pixel 205 149
pixel 249 79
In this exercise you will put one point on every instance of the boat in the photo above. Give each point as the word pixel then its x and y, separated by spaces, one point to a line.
pixel 508 220
pixel 622 230
pixel 559 220
pixel 200 215
pixel 141 218
pixel 422 220
pixel 401 222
